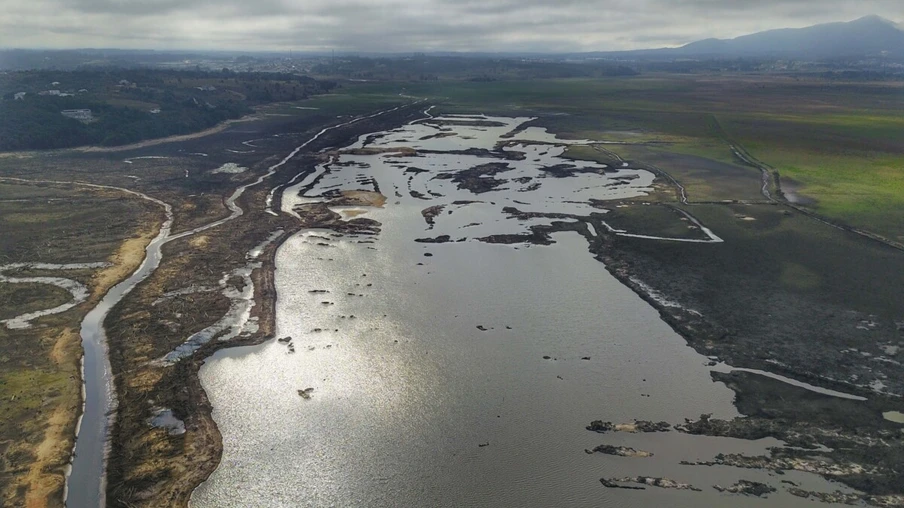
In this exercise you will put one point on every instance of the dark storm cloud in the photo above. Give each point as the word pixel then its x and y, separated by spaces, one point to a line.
pixel 409 25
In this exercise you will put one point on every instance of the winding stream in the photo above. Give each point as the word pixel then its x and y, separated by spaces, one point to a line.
pixel 98 397
pixel 78 290
pixel 86 473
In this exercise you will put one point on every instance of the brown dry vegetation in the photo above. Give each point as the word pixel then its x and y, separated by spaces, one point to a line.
pixel 148 466
pixel 360 198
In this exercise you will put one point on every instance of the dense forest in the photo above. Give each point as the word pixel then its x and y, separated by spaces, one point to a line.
pixel 132 105
pixel 36 123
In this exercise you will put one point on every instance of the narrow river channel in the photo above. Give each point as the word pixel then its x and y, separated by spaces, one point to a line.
pixel 85 483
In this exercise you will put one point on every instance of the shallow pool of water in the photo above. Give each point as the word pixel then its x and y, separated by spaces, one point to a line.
pixel 894 416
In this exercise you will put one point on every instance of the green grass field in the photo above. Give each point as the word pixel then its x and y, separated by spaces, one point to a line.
pixel 17 299
pixel 64 218
pixel 652 220
pixel 349 101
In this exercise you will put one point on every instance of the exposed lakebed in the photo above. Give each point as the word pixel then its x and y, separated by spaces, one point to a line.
pixel 460 372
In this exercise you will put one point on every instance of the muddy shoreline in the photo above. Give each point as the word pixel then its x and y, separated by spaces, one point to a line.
pixel 155 468
pixel 265 298
pixel 204 425
pixel 198 450
pixel 43 482
pixel 701 332
pixel 842 440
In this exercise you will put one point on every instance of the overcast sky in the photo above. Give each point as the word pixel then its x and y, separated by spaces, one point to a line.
pixel 409 25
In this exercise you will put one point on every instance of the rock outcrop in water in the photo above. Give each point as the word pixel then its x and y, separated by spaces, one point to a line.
pixel 430 214
pixel 787 460
pixel 478 179
pixel 662 483
pixel 839 497
pixel 838 442
pixel 566 170
pixel 619 451
pixel 438 239
pixel 358 198
pixel 750 429
pixel 319 215
pixel 637 426
pixel 747 488
pixel 539 236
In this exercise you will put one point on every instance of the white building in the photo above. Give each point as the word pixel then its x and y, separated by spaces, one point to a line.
pixel 19 96
pixel 82 115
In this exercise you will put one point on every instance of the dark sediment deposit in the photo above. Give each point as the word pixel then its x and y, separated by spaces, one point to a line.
pixel 430 214
pixel 478 179
pixel 319 215
pixel 619 451
pixel 836 438
pixel 637 426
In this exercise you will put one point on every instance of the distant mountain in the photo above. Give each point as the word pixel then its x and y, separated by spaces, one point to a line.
pixel 867 36
pixel 870 35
